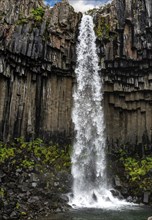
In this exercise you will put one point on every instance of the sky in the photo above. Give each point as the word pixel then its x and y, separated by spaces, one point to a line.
pixel 81 5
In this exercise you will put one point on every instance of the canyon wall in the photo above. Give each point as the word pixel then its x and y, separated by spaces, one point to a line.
pixel 124 31
pixel 37 61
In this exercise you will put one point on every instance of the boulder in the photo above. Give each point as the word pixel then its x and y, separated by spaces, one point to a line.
pixel 116 194
pixel 117 181
pixel 146 197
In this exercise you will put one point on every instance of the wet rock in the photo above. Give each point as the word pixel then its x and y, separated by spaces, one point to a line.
pixel 64 198
pixel 34 184
pixel 33 177
pixel 136 199
pixel 107 199
pixel 94 197
pixel 116 194
pixel 146 197
pixel 14 215
pixel 124 191
pixel 58 210
pixel 33 199
pixel 5 217
pixel 129 199
pixel 24 187
pixel 56 184
pixel 117 181
pixel 2 174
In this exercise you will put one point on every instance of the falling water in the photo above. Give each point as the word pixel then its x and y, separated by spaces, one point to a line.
pixel 88 158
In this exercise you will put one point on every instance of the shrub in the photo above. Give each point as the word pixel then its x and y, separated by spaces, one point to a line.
pixel 138 170
pixel 29 155
pixel 38 14
pixel 22 21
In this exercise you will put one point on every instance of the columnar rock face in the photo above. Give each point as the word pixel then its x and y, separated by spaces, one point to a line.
pixel 37 60
pixel 124 31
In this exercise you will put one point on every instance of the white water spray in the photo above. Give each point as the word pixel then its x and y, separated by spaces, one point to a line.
pixel 88 158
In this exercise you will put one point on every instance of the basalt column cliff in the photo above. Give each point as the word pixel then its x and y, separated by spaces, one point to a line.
pixel 124 30
pixel 37 58
pixel 37 62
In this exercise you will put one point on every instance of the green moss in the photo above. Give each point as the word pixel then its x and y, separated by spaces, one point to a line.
pixel 29 155
pixel 38 14
pixel 27 164
pixel 17 205
pixel 2 192
pixel 102 28
pixel 22 21
pixel 138 171
pixel 23 213
pixel 6 153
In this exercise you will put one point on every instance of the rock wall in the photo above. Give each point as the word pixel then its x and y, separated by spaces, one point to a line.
pixel 37 61
pixel 124 31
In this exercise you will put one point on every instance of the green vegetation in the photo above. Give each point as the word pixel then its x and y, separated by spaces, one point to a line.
pixel 22 21
pixel 38 14
pixel 102 28
pixel 138 170
pixel 5 153
pixel 29 155
pixel 2 192
pixel 36 168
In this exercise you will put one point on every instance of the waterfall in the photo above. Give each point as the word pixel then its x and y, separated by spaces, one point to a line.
pixel 88 157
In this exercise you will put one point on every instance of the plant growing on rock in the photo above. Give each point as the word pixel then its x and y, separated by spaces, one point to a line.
pixel 38 14
pixel 102 28
pixel 22 21
pixel 134 172
pixel 139 171
pixel 30 154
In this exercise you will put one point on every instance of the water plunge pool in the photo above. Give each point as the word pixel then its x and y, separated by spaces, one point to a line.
pixel 128 213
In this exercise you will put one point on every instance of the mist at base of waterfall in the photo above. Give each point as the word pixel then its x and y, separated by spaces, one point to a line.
pixel 98 200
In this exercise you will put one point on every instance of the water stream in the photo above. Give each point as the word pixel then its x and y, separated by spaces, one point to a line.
pixel 90 187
